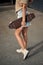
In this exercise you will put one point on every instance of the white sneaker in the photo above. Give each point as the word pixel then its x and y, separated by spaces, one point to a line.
pixel 19 50
pixel 26 52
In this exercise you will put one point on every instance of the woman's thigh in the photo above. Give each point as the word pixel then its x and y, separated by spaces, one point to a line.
pixel 24 31
pixel 18 31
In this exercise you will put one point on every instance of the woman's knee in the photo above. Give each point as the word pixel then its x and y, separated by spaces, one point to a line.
pixel 17 33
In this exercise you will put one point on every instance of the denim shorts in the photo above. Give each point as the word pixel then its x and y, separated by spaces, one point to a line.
pixel 19 15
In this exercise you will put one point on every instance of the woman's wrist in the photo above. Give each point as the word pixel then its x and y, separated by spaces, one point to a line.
pixel 23 20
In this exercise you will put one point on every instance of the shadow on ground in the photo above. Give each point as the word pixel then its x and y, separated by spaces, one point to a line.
pixel 35 49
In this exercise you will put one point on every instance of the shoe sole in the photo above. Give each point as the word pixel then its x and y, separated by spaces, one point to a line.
pixel 26 56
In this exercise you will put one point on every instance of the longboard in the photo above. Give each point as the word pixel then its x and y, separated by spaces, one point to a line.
pixel 17 23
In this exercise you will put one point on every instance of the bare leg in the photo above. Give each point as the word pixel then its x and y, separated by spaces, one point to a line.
pixel 22 42
pixel 19 38
pixel 24 33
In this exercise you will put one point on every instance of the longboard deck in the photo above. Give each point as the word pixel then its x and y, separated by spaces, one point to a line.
pixel 17 23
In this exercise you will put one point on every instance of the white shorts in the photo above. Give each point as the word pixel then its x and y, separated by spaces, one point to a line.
pixel 19 15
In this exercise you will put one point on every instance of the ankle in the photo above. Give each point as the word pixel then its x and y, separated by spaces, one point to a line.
pixel 24 51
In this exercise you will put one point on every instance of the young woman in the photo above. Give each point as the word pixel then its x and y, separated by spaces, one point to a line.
pixel 21 10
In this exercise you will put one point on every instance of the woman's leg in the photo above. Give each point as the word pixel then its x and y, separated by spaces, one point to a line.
pixel 24 33
pixel 19 38
pixel 25 38
pixel 21 42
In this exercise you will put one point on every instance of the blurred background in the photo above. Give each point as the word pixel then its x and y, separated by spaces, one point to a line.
pixel 37 4
pixel 7 2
